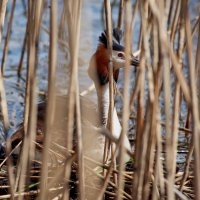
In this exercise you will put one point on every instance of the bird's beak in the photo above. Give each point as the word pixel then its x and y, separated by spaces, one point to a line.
pixel 134 61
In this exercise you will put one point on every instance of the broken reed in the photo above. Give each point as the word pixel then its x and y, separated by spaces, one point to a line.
pixel 160 22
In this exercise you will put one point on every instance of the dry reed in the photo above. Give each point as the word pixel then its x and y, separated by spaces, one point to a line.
pixel 164 83
pixel 125 113
pixel 50 112
pixel 5 51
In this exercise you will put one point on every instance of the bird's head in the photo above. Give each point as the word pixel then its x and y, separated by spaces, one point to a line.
pixel 118 50
pixel 100 61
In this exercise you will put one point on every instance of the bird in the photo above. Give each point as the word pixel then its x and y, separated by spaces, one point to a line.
pixel 93 117
pixel 99 72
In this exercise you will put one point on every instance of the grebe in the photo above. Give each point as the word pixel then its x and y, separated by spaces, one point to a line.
pixel 93 141
pixel 99 73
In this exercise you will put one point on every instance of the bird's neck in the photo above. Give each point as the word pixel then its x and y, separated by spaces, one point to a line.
pixel 103 104
pixel 99 73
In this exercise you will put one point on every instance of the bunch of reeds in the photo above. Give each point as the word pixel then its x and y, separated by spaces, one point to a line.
pixel 52 164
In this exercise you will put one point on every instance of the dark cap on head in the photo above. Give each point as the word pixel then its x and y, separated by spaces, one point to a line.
pixel 117 36
pixel 116 46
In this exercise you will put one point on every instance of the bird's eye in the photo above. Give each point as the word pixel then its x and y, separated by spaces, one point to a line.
pixel 121 55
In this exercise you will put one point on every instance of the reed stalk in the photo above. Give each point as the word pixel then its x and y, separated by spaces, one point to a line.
pixel 135 9
pixel 141 137
pixel 175 21
pixel 3 5
pixel 73 13
pixel 120 15
pixel 28 151
pixel 5 50
pixel 177 99
pixel 165 62
pixel 125 114
pixel 159 175
pixel 194 109
pixel 110 146
pixel 155 105
pixel 24 46
pixel 109 41
pixel 4 109
pixel 50 112
pixel 107 176
pixel 197 62
pixel 171 12
pixel 80 133
pixel 71 89
pixel 187 165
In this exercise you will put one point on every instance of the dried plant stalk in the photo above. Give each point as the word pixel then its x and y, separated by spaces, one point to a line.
pixel 197 62
pixel 72 87
pixel 194 109
pixel 125 121
pixel 167 94
pixel 165 32
pixel 3 5
pixel 20 65
pixel 187 165
pixel 171 12
pixel 175 21
pixel 50 112
pixel 120 15
pixel 135 9
pixel 141 134
pixel 177 99
pixel 78 121
pixel 73 15
pixel 109 122
pixel 5 50
pixel 28 151
pixel 4 108
pixel 109 36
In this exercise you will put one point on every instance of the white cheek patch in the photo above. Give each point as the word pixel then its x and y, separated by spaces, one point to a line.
pixel 118 62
